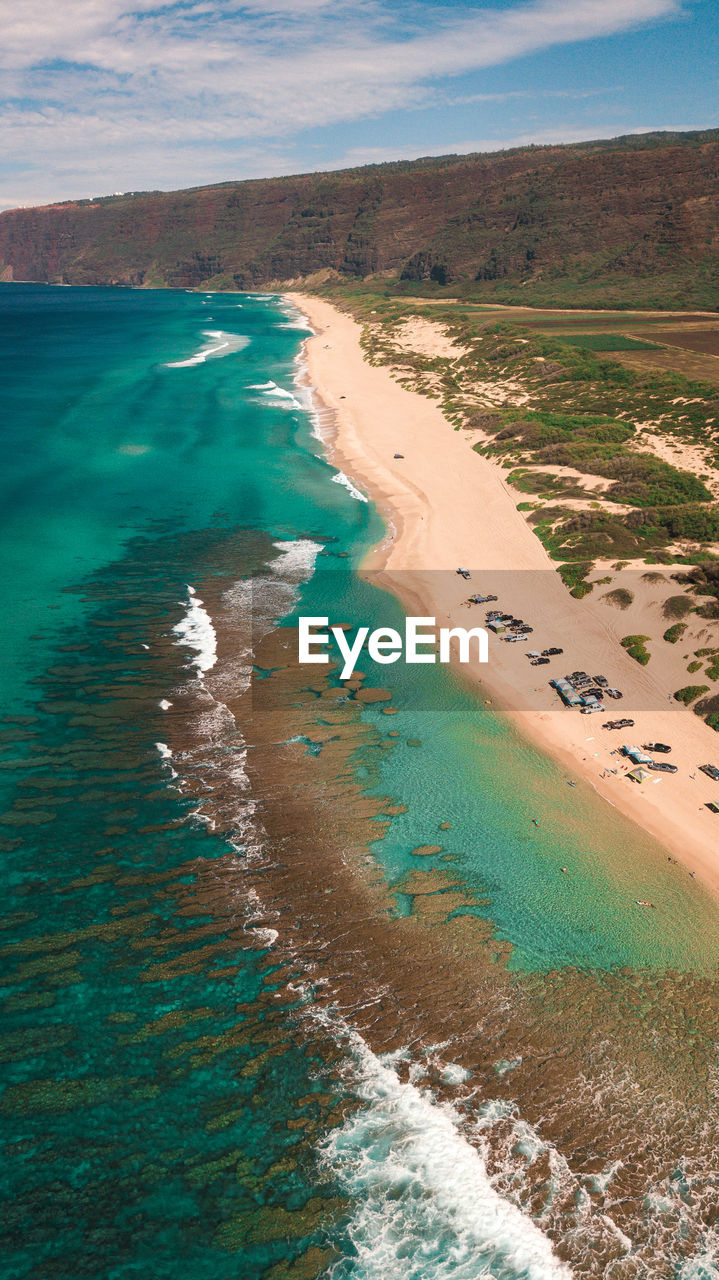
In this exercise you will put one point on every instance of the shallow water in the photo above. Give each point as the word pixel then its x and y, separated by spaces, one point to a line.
pixel 242 1024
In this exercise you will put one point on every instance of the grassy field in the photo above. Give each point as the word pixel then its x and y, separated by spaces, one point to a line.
pixel 683 342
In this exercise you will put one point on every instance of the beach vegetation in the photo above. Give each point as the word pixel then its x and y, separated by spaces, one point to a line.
pixel 620 597
pixel 636 647
pixel 676 607
pixel 675 632
pixel 568 424
pixel 690 692
pixel 574 576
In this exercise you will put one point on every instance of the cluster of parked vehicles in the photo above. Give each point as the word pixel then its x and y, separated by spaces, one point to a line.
pixel 587 692
pixel 516 628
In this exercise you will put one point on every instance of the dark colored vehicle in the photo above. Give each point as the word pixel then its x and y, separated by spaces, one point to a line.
pixel 602 680
pixel 618 724
pixel 464 573
pixel 593 693
pixel 656 746
pixel 662 767
pixel 714 807
pixel 553 653
pixel 710 770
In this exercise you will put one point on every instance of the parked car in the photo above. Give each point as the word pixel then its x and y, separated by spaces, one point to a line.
pixel 553 653
pixel 710 770
pixel 614 693
pixel 662 767
pixel 602 680
pixel 656 746
pixel 711 805
pixel 594 706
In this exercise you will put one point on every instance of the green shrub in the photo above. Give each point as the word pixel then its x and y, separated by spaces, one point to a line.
pixel 620 597
pixel 574 576
pixel 672 634
pixel 694 666
pixel 690 693
pixel 636 647
pixel 676 607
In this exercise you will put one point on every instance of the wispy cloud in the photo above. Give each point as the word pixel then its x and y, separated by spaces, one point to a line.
pixel 108 94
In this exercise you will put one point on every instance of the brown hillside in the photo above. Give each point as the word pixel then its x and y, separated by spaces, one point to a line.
pixel 635 209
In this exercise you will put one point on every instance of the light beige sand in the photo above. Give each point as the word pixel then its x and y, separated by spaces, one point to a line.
pixel 427 338
pixel 445 506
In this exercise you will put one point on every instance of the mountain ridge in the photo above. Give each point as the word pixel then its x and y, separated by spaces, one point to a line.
pixel 640 212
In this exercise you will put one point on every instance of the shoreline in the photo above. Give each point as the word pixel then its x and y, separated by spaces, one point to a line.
pixel 445 505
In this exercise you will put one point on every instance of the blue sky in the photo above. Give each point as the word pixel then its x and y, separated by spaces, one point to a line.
pixel 99 96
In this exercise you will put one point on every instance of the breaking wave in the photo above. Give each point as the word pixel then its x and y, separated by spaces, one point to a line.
pixel 220 344
pixel 341 478
pixel 197 632
pixel 273 392
pixel 424 1204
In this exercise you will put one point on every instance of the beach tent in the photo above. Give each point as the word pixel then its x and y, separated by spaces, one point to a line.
pixel 637 755
pixel 639 775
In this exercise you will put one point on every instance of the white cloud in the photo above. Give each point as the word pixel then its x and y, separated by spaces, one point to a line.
pixel 114 87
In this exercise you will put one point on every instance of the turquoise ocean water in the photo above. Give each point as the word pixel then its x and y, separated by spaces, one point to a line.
pixel 152 1076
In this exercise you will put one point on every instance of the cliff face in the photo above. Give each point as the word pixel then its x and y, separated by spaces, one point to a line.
pixel 634 207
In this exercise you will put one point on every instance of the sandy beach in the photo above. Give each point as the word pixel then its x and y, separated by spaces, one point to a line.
pixel 445 505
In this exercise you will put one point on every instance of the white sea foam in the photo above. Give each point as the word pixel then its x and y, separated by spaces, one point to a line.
pixel 220 344
pixel 297 562
pixel 296 319
pixel 164 704
pixel 273 392
pixel 453 1073
pixel 425 1208
pixel 286 397
pixel 165 753
pixel 341 478
pixel 703 1266
pixel 197 632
